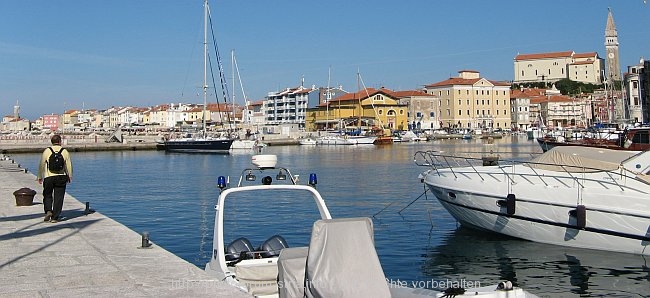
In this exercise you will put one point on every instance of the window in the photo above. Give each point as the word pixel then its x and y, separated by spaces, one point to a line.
pixel 641 137
pixel 467 112
pixel 380 112
pixel 460 112
pixel 418 114
pixel 459 102
pixel 432 114
pixel 468 102
pixel 483 101
pixel 401 112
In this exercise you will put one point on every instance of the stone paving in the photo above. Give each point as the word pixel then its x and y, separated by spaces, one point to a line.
pixel 86 255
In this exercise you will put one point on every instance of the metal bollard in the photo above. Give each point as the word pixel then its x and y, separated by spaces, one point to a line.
pixel 145 240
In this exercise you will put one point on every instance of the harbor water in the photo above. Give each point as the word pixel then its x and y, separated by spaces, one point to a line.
pixel 172 197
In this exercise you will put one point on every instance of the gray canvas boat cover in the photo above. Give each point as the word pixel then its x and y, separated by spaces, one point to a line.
pixel 291 272
pixel 342 260
pixel 581 159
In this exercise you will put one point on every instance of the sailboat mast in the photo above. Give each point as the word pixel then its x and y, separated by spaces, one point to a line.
pixel 328 97
pixel 205 63
pixel 360 108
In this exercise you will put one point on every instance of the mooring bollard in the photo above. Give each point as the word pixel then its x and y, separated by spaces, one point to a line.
pixel 145 240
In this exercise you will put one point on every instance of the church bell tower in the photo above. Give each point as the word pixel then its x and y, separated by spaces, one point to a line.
pixel 613 71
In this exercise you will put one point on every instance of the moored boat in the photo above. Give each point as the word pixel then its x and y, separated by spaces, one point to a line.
pixel 338 260
pixel 200 142
pixel 581 197
pixel 632 139
pixel 307 141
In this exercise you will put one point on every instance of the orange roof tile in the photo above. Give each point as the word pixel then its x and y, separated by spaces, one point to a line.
pixel 585 55
pixel 565 54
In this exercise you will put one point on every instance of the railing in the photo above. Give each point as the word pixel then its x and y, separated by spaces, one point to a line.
pixel 459 166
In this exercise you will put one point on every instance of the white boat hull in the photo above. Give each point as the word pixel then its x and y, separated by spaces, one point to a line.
pixel 616 217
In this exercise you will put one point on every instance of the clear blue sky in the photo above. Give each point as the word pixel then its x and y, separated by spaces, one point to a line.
pixel 71 54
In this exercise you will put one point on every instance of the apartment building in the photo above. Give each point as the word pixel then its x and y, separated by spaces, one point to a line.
pixel 289 105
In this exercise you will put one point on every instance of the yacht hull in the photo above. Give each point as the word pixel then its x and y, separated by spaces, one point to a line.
pixel 198 146
pixel 604 210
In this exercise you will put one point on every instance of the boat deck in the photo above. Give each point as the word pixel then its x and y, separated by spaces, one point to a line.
pixel 86 255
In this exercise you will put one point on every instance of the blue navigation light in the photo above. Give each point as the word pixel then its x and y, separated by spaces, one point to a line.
pixel 312 179
pixel 221 182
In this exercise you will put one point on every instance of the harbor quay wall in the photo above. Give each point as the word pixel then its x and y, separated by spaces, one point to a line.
pixel 86 254
pixel 89 142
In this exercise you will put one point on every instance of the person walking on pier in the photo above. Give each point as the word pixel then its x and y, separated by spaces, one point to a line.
pixel 54 172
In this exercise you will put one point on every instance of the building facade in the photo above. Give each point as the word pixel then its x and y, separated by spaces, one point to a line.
pixel 368 108
pixel 634 95
pixel 554 66
pixel 469 101
pixel 289 106
pixel 423 110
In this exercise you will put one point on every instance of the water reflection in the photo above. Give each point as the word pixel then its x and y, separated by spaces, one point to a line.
pixel 540 268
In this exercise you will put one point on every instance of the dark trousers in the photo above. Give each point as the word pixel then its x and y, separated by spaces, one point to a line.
pixel 53 193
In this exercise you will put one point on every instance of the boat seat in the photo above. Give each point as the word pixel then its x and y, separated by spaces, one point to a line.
pixel 342 260
pixel 236 247
pixel 272 246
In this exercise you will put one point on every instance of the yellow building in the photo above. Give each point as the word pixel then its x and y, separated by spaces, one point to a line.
pixel 471 102
pixel 367 108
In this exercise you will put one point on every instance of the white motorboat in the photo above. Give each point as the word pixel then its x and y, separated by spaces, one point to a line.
pixel 246 144
pixel 573 196
pixel 362 140
pixel 334 140
pixel 307 141
pixel 338 260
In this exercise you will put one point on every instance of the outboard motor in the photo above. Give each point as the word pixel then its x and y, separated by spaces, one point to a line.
pixel 272 246
pixel 238 246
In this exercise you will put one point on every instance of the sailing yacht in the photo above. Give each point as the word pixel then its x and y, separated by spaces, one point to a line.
pixel 201 142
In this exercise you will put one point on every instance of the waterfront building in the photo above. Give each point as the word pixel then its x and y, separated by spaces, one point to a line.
pixel 632 82
pixel 470 101
pixel 289 105
pixel 256 113
pixel 14 124
pixel 51 122
pixel 364 109
pixel 644 77
pixel 521 115
pixel 423 110
pixel 554 66
pixel 561 111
